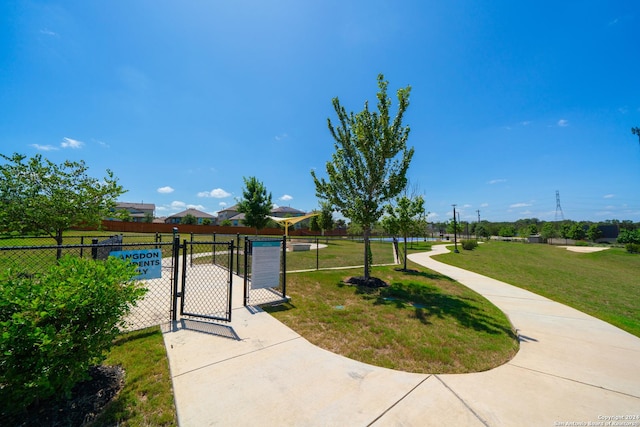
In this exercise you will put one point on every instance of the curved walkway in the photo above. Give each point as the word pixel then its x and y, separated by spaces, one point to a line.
pixel 571 368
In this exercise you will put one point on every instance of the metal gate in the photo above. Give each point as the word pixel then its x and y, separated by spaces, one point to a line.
pixel 274 292
pixel 207 278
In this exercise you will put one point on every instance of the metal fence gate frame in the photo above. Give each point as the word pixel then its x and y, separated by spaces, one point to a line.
pixel 206 289
pixel 266 296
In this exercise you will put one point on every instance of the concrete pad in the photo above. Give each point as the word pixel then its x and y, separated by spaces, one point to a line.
pixel 430 404
pixel 512 396
pixel 292 383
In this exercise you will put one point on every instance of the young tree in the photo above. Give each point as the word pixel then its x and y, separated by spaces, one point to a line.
pixel 325 219
pixel 37 195
pixel 370 163
pixel 403 216
pixel 256 203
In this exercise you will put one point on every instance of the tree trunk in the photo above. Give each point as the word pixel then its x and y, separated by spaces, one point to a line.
pixel 405 252
pixel 59 243
pixel 366 232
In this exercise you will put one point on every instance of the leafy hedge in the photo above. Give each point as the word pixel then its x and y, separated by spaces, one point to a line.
pixel 54 326
pixel 469 245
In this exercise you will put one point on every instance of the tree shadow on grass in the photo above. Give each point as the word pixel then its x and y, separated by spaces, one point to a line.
pixel 429 275
pixel 428 302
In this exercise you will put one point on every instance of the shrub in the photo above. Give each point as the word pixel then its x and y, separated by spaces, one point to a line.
pixel 633 248
pixel 54 326
pixel 469 245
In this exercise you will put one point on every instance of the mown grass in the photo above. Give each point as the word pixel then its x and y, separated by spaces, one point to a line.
pixel 423 322
pixel 339 253
pixel 147 396
pixel 603 284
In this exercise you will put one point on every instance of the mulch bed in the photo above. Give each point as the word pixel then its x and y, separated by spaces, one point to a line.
pixel 88 399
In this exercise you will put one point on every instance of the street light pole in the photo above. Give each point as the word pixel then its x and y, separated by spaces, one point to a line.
pixel 455 232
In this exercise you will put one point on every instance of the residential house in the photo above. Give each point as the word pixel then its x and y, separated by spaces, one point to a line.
pixel 199 215
pixel 138 211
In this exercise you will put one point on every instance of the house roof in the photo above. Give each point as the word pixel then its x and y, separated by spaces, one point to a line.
pixel 140 206
pixel 286 210
pixel 194 212
pixel 233 208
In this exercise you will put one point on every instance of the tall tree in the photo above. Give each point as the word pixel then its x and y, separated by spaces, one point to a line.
pixel 37 195
pixel 636 131
pixel 370 163
pixel 256 203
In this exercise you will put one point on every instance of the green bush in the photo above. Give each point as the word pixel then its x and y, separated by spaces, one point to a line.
pixel 633 248
pixel 469 245
pixel 54 326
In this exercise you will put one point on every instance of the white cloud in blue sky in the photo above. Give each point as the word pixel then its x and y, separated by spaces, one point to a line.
pixel 216 193
pixel 165 190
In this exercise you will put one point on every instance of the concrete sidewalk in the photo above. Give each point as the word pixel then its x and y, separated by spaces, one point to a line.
pixel 571 368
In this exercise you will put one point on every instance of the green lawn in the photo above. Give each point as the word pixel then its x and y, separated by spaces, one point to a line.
pixel 603 284
pixel 423 322
pixel 147 396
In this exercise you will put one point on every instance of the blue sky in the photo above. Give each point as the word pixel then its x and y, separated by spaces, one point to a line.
pixel 510 101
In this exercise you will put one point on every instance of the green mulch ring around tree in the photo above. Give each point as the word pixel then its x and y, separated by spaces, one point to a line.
pixel 604 284
pixel 422 322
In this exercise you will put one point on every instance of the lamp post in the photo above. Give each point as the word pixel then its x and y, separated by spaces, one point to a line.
pixel 455 232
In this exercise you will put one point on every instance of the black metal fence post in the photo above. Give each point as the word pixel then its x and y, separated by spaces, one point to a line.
pixel 284 266
pixel 317 254
pixel 246 272
pixel 174 276
pixel 94 248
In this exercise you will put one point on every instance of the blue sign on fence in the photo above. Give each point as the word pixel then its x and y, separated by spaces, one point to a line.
pixel 149 262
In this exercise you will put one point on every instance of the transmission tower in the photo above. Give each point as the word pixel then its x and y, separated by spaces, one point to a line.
pixel 558 207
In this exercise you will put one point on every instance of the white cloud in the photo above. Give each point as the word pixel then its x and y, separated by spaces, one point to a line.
pixel 222 204
pixel 176 204
pixel 496 181
pixel 484 205
pixel 609 196
pixel 286 198
pixel 467 206
pixel 281 137
pixel 44 147
pixel 216 193
pixel 165 190
pixel 198 207
pixel 525 123
pixel 520 205
pixel 563 123
pixel 47 32
pixel 71 143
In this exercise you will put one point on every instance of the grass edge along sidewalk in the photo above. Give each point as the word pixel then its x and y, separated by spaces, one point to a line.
pixel 603 284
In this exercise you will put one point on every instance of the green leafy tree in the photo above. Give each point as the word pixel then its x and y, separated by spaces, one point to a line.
pixel 206 221
pixel 256 204
pixel 594 232
pixel 507 231
pixel 549 230
pixel 577 231
pixel 313 224
pixel 403 217
pixel 370 163
pixel 325 219
pixel 148 217
pixel 37 195
pixel 226 223
pixel 189 219
pixel 124 215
